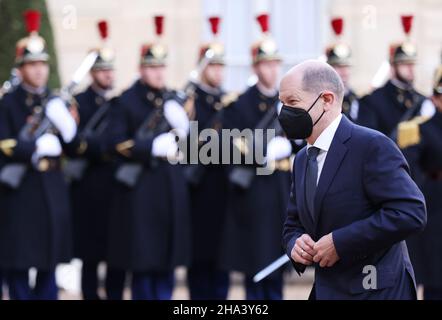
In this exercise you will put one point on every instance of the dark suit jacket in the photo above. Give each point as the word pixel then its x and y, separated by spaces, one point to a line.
pixel 366 198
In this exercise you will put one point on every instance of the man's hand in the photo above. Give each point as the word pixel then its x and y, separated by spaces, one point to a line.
pixel 303 252
pixel 326 254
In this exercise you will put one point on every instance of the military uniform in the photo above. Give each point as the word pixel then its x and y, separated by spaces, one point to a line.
pixel 208 207
pixel 397 101
pixel 35 224
pixel 422 146
pixel 385 107
pixel 255 215
pixel 208 186
pixel 91 192
pixel 338 54
pixel 350 105
pixel 149 223
pixel 91 172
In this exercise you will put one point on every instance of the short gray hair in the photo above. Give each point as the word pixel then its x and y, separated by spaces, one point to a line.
pixel 320 78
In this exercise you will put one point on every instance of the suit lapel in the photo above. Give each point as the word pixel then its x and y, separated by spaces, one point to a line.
pixel 333 161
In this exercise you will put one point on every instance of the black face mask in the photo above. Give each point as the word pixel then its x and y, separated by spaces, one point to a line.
pixel 296 122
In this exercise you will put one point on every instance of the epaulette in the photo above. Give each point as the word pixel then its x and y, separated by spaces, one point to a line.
pixel 408 133
pixel 7 146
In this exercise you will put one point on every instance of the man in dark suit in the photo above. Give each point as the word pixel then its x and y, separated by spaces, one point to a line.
pixel 391 107
pixel 353 202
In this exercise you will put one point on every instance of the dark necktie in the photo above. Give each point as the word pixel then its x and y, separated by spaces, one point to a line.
pixel 311 178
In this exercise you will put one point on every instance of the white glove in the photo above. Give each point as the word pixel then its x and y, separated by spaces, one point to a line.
pixel 164 145
pixel 427 109
pixel 278 148
pixel 177 117
pixel 59 115
pixel 48 145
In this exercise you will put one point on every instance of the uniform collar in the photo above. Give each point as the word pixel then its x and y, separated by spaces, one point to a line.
pixel 401 85
pixel 269 93
pixel 104 93
pixel 215 91
pixel 34 91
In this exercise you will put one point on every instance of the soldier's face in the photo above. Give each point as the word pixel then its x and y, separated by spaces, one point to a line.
pixel 213 75
pixel 35 73
pixel 154 76
pixel 268 72
pixel 404 72
pixel 344 73
pixel 103 78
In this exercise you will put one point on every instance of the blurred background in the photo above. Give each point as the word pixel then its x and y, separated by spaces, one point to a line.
pixel 301 28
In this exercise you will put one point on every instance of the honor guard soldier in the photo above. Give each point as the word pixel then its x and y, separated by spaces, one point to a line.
pixel 90 170
pixel 35 224
pixel 257 203
pixel 149 226
pixel 338 56
pixel 397 100
pixel 208 183
pixel 421 142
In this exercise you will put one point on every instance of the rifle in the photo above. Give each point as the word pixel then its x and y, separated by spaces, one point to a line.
pixel 242 176
pixel 155 124
pixel 74 169
pixel 195 172
pixel 12 174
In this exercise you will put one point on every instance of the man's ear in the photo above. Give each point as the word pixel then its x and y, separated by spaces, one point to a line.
pixel 329 98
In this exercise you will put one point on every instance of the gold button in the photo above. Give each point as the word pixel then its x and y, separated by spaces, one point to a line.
pixel 99 100
pixel 37 109
pixel 210 99
pixel 158 102
pixel 29 101
pixel 150 96
pixel 262 106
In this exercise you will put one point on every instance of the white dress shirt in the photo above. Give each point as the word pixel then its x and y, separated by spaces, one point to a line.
pixel 323 143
